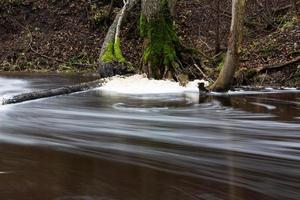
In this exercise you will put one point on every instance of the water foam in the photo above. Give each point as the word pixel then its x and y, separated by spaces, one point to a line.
pixel 140 84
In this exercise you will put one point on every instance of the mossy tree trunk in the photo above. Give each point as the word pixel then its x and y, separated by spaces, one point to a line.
pixel 224 81
pixel 111 58
pixel 161 44
pixel 111 50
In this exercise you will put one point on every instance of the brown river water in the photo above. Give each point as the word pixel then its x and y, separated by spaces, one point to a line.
pixel 95 146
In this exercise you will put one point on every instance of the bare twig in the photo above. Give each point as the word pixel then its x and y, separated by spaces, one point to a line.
pixel 263 80
pixel 223 12
pixel 203 74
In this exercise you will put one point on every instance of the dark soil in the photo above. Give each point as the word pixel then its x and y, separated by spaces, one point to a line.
pixel 53 35
pixel 59 30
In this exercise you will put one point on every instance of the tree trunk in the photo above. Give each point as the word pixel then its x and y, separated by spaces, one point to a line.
pixel 111 59
pixel 161 54
pixel 111 50
pixel 223 83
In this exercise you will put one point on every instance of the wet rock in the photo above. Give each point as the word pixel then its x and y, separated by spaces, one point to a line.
pixel 112 69
pixel 202 89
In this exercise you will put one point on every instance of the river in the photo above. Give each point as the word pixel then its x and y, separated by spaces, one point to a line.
pixel 100 146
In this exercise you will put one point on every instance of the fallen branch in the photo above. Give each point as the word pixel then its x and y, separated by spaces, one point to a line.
pixel 53 92
pixel 245 74
pixel 284 8
pixel 223 12
pixel 279 65
pixel 203 74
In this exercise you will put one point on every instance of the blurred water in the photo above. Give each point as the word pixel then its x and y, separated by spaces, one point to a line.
pixel 95 145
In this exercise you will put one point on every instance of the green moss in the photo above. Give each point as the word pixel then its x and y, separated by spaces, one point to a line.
pixel 113 52
pixel 142 25
pixel 161 37
pixel 222 62
pixel 118 52
pixel 108 55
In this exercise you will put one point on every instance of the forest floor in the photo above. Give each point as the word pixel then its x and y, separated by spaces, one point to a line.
pixel 58 36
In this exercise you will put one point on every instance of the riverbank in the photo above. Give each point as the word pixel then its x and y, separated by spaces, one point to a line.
pixel 55 36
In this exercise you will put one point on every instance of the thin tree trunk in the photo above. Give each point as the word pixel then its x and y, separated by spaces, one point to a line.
pixel 107 53
pixel 224 81
pixel 110 11
pixel 111 57
pixel 119 23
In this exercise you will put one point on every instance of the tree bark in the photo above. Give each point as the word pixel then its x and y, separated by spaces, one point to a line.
pixel 107 53
pixel 161 52
pixel 224 81
pixel 111 57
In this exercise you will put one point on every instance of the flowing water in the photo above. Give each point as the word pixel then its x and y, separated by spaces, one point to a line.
pixel 97 145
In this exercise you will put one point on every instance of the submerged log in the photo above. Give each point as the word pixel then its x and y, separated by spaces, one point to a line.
pixel 53 92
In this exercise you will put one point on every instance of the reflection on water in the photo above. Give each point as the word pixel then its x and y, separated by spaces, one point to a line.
pixel 95 146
